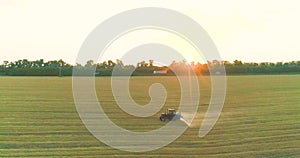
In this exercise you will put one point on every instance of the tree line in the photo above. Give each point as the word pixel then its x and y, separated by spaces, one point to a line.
pixel 144 68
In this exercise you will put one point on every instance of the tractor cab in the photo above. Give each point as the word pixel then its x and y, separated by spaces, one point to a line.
pixel 171 111
pixel 169 114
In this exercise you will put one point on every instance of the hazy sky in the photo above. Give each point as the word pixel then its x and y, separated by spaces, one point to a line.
pixel 248 30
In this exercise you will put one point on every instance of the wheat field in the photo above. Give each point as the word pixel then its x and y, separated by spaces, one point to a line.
pixel 260 118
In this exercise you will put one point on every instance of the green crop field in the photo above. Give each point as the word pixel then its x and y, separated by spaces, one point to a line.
pixel 260 118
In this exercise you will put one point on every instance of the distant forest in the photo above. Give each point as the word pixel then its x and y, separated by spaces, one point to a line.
pixel 143 68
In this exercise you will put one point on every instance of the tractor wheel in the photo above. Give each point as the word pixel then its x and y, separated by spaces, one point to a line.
pixel 162 119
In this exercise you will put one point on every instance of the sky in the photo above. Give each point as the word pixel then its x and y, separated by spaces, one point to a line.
pixel 247 30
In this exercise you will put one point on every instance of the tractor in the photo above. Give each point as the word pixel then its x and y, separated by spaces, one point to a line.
pixel 169 114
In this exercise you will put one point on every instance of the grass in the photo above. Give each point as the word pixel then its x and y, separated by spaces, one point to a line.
pixel 261 118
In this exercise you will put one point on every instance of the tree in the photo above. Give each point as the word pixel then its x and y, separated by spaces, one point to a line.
pixel 151 62
pixel 142 64
pixel 40 63
pixel 237 62
pixel 119 62
pixel 89 63
pixel 5 64
pixel 111 63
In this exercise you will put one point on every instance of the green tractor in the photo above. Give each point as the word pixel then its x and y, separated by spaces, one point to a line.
pixel 169 114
